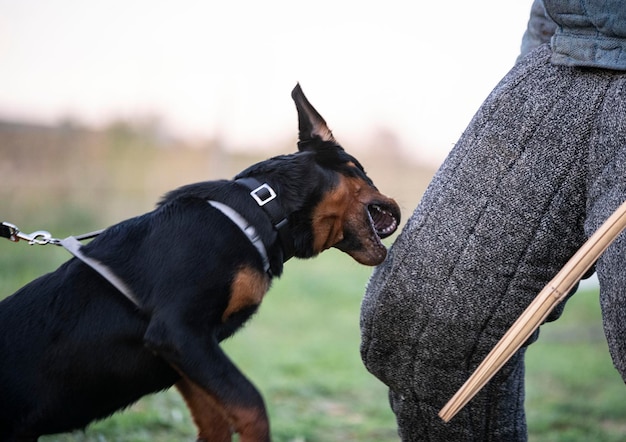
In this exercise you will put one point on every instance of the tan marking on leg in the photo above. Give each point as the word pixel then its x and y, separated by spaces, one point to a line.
pixel 210 417
pixel 216 421
pixel 251 424
pixel 247 289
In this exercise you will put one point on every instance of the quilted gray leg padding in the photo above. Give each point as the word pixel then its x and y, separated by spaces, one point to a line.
pixel 606 191
pixel 502 215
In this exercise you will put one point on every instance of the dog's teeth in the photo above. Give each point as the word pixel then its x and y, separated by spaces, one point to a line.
pixel 383 221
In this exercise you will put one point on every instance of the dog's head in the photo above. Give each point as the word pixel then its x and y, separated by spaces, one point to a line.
pixel 329 199
pixel 350 214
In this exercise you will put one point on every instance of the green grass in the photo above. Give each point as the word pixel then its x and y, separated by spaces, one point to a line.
pixel 573 392
pixel 302 351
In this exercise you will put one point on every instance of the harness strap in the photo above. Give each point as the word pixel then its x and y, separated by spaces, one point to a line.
pixel 247 228
pixel 266 198
pixel 262 193
pixel 72 245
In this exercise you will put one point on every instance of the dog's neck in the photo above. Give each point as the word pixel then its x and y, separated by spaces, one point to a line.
pixel 265 196
pixel 248 229
pixel 274 249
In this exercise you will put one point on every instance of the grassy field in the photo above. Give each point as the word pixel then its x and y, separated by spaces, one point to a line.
pixel 301 350
pixel 573 392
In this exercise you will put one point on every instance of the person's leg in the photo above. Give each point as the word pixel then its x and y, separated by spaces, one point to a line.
pixel 612 276
pixel 501 217
pixel 607 191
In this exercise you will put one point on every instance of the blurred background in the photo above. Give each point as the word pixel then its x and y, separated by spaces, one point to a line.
pixel 104 106
pixel 125 99
pixel 224 69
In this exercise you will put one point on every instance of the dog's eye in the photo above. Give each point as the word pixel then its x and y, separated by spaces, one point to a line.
pixel 354 169
pixel 355 165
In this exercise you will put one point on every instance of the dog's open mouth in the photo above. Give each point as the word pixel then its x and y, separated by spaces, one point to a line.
pixel 384 219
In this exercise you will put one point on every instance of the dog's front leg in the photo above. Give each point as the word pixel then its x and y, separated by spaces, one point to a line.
pixel 211 384
pixel 210 418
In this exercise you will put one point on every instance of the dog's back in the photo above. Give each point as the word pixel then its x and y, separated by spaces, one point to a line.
pixel 71 351
pixel 75 349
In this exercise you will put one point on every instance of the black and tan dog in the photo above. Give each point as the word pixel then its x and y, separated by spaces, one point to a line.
pixel 73 349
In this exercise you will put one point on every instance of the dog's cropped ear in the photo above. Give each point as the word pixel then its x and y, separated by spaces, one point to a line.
pixel 311 125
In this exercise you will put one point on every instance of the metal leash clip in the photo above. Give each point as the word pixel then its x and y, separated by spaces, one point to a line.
pixel 40 237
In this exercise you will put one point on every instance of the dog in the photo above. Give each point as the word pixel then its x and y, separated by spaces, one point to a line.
pixel 74 349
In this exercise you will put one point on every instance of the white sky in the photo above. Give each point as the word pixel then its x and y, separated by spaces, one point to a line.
pixel 420 69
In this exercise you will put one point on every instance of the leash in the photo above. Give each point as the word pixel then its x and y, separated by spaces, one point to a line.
pixel 71 244
pixel 40 237
pixel 262 193
pixel 538 310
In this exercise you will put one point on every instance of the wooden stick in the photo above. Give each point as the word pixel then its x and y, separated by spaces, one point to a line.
pixel 551 295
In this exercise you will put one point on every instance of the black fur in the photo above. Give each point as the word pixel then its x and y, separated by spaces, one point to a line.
pixel 74 349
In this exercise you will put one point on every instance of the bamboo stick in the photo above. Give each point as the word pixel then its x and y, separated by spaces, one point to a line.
pixel 551 295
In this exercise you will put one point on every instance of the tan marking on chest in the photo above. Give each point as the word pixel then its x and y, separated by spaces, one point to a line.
pixel 247 289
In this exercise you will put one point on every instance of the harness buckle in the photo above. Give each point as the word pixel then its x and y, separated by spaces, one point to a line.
pixel 263 194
